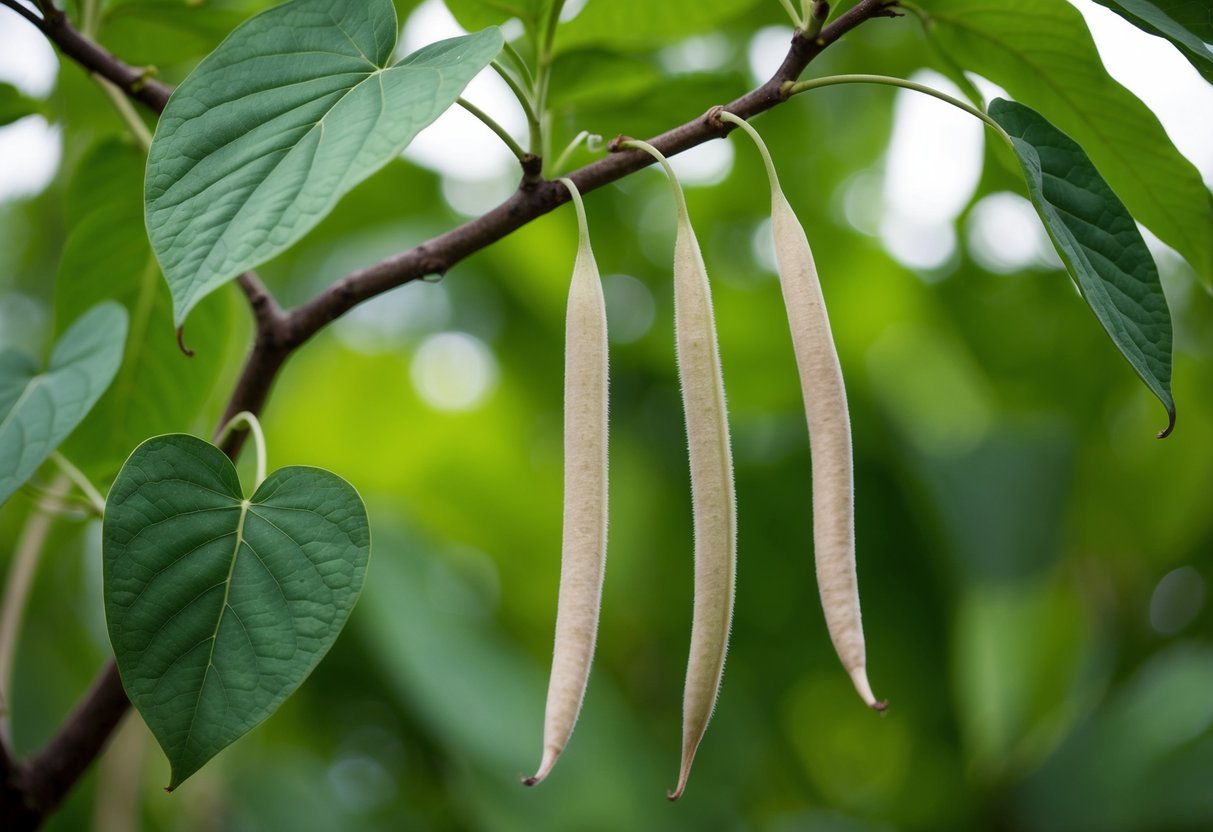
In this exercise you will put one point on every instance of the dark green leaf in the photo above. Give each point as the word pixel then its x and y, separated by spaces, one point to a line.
pixel 39 410
pixel 157 389
pixel 294 109
pixel 1041 52
pixel 1150 17
pixel 1099 243
pixel 219 607
pixel 14 105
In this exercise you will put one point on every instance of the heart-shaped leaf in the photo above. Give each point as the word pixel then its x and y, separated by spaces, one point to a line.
pixel 39 410
pixel 1099 243
pixel 295 108
pixel 218 606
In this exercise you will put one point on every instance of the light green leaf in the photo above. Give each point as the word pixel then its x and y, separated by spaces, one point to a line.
pixel 295 108
pixel 644 24
pixel 1099 243
pixel 476 14
pixel 219 607
pixel 158 389
pixel 1041 53
pixel 15 104
pixel 599 78
pixel 39 410
pixel 1163 18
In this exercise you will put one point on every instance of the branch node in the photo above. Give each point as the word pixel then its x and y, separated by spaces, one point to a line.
pixel 532 172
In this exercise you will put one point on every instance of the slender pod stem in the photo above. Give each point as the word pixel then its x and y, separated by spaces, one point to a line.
pixel 249 419
pixel 583 547
pixel 829 423
pixel 712 490
pixel 794 88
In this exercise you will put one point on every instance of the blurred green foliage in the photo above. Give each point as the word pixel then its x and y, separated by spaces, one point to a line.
pixel 1034 565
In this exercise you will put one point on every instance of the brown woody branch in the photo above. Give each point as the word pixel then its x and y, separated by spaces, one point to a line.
pixel 33 789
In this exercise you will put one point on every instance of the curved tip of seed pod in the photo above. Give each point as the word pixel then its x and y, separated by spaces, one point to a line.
pixel 1170 424
pixel 859 676
pixel 677 791
pixel 545 768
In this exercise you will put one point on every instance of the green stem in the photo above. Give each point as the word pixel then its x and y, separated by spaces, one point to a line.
pixel 126 112
pixel 583 227
pixel 517 60
pixel 90 19
pixel 528 108
pixel 792 13
pixel 563 158
pixel 789 89
pixel 16 592
pixel 96 501
pixel 489 122
pixel 749 130
pixel 679 199
pixel 250 420
pixel 543 74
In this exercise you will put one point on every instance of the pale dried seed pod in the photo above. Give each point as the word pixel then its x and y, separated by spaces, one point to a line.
pixel 583 548
pixel 712 495
pixel 825 404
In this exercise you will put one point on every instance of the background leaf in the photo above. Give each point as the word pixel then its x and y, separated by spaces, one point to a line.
pixel 1041 52
pixel 641 24
pixel 39 410
pixel 1186 23
pixel 477 14
pixel 219 607
pixel 1099 242
pixel 257 146
pixel 157 389
pixel 15 104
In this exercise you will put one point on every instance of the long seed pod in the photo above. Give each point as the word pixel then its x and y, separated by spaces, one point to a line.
pixel 712 497
pixel 825 404
pixel 583 548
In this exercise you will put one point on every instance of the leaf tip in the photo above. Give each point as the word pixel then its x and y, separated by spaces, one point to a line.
pixel 186 351
pixel 1165 432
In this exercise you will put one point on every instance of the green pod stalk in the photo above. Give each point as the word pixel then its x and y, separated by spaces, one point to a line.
pixel 825 404
pixel 583 548
pixel 712 494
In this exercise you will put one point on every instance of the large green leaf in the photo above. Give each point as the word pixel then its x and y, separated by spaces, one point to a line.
pixel 219 606
pixel 39 410
pixel 1186 23
pixel 643 24
pixel 1041 52
pixel 295 108
pixel 1099 243
pixel 157 389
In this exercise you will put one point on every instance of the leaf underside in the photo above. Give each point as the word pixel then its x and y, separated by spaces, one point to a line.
pixel 1099 243
pixel 1188 24
pixel 295 108
pixel 218 608
pixel 39 410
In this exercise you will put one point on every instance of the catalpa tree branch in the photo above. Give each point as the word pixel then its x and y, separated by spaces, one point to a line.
pixel 31 790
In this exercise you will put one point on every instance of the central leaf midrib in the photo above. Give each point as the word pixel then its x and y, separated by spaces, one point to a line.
pixel 227 591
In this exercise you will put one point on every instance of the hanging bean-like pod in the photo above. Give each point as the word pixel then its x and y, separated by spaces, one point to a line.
pixel 583 549
pixel 712 497
pixel 825 404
